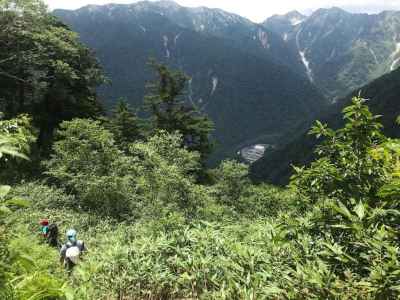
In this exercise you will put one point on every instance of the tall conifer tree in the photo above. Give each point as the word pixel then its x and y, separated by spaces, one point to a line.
pixel 170 112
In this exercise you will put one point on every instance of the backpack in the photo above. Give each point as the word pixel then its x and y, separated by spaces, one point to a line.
pixel 74 251
pixel 52 236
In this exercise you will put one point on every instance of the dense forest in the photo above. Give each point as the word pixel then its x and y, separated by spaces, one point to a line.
pixel 157 223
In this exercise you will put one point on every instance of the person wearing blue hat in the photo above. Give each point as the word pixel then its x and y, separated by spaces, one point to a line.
pixel 72 250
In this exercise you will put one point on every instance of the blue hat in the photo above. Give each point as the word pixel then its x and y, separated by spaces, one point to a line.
pixel 71 234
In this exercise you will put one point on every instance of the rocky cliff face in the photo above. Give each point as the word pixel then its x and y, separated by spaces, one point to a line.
pixel 341 51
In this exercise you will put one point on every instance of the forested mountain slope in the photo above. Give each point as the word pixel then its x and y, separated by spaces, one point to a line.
pixel 249 97
pixel 246 35
pixel 384 99
pixel 342 51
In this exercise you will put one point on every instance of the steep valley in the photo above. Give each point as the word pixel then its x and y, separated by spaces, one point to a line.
pixel 260 83
pixel 248 94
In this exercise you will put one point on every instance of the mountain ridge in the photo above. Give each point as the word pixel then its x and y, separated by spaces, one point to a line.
pixel 250 36
pixel 334 50
pixel 340 50
pixel 246 94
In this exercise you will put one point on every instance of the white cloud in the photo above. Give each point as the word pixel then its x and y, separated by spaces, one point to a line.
pixel 256 10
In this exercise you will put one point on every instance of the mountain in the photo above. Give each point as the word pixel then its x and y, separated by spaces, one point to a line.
pixel 251 96
pixel 284 24
pixel 342 51
pixel 383 95
pixel 251 37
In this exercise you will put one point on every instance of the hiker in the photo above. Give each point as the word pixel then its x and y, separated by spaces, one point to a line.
pixel 49 233
pixel 52 236
pixel 72 250
pixel 44 229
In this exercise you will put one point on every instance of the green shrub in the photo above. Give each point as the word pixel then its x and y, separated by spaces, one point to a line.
pixel 356 229
pixel 34 270
pixel 87 163
pixel 206 261
pixel 42 196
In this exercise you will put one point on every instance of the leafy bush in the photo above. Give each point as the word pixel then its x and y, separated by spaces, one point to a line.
pixel 201 261
pixel 355 228
pixel 87 163
pixel 42 196
pixel 233 189
pixel 156 174
pixel 346 168
pixel 166 176
pixel 16 140
pixel 34 270
pixel 231 181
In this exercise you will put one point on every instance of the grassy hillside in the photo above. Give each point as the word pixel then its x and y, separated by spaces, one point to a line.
pixel 152 232
pixel 156 221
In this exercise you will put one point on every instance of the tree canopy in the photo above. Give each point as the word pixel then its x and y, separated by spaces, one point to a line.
pixel 170 110
pixel 44 68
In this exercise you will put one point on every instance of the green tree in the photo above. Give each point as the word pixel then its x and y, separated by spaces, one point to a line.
pixel 166 176
pixel 231 182
pixel 88 163
pixel 171 112
pixel 44 69
pixel 11 146
pixel 21 136
pixel 125 125
pixel 153 177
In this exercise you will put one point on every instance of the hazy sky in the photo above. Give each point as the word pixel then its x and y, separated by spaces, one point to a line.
pixel 257 10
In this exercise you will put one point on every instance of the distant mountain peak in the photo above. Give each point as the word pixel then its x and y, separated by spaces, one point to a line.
pixel 172 8
pixel 292 18
pixel 337 45
pixel 168 4
pixel 295 13
pixel 332 10
pixel 144 4
pixel 290 14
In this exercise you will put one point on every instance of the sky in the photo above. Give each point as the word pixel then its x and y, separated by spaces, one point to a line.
pixel 256 10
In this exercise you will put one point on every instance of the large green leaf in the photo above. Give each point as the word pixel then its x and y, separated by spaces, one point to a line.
pixel 12 152
pixel 360 210
pixel 4 190
pixel 343 210
pixel 4 210
pixel 17 202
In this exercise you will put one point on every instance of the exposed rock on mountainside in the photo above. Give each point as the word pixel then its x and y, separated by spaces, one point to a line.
pixel 235 74
pixel 341 51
